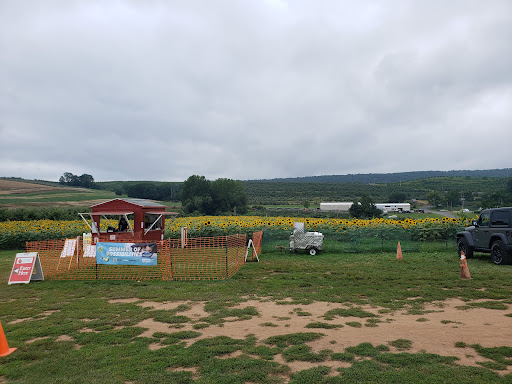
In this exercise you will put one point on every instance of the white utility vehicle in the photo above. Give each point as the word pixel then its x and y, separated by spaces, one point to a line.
pixel 312 242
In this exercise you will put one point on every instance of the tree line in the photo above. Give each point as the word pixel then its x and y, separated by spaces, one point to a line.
pixel 201 196
pixel 41 213
pixel 197 194
pixel 369 178
pixel 85 180
pixel 226 195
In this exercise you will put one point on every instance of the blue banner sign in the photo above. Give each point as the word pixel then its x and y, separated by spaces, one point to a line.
pixel 144 254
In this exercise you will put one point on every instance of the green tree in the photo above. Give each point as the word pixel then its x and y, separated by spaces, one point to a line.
pixel 85 180
pixel 196 195
pixel 494 200
pixel 228 196
pixel 397 197
pixel 210 198
pixel 434 198
pixel 452 198
pixel 148 190
pixel 69 179
pixel 364 208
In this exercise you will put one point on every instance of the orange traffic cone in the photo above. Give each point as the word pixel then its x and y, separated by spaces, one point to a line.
pixel 399 251
pixel 464 271
pixel 4 348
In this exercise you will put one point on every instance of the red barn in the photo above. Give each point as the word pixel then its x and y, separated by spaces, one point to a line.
pixel 147 216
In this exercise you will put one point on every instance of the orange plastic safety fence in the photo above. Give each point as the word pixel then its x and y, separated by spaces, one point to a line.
pixel 206 258
pixel 257 240
pixel 211 258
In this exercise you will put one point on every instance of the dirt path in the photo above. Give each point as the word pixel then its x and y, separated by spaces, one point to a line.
pixel 436 330
pixel 448 214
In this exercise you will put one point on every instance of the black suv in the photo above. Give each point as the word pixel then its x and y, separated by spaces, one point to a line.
pixel 491 233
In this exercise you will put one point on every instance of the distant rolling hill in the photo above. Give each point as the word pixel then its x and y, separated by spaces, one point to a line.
pixel 473 185
pixel 21 194
pixel 368 178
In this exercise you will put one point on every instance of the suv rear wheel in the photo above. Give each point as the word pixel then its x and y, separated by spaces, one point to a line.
pixel 499 254
pixel 462 246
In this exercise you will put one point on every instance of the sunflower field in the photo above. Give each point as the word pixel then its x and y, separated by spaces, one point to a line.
pixel 14 234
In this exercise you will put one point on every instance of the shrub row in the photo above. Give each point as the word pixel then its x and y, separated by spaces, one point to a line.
pixel 53 213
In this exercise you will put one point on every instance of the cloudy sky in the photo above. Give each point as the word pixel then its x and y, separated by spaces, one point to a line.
pixel 251 89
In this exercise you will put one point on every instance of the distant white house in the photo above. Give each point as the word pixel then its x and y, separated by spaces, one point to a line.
pixel 385 207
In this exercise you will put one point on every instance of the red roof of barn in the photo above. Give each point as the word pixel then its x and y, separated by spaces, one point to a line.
pixel 139 202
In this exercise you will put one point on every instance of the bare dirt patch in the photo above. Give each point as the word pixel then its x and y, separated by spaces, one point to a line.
pixel 436 330
pixel 130 300
pixel 37 339
pixel 69 338
pixel 43 315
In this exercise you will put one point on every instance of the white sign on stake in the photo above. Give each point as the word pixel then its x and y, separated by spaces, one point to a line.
pixel 69 248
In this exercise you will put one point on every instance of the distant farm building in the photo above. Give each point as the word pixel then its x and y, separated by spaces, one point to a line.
pixel 394 207
pixel 385 207
pixel 335 207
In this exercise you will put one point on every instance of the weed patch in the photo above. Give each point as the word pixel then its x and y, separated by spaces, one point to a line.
pixel 283 341
pixel 303 352
pixel 401 344
pixel 485 304
pixel 323 325
pixel 351 312
pixel 354 324
pixel 367 350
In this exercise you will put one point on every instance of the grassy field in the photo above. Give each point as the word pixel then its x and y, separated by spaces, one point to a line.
pixel 201 332
pixel 15 194
pixel 351 314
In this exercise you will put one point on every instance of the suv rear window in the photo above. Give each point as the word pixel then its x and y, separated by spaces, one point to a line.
pixel 500 219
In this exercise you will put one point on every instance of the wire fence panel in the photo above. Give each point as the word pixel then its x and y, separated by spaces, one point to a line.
pixel 218 258
pixel 212 258
pixel 374 239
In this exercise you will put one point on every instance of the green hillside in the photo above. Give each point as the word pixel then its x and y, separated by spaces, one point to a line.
pixel 473 189
pixel 448 191
pixel 368 178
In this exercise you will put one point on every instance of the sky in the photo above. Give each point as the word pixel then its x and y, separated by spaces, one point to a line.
pixel 253 89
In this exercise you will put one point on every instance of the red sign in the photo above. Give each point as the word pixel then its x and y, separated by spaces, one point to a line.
pixel 27 266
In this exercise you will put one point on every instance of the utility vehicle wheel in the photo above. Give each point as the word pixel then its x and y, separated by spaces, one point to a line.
pixel 313 251
pixel 499 254
pixel 462 246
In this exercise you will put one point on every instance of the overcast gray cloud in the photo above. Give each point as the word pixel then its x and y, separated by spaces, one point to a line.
pixel 161 90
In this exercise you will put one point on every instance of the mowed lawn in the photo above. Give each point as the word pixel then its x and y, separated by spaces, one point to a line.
pixel 93 331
